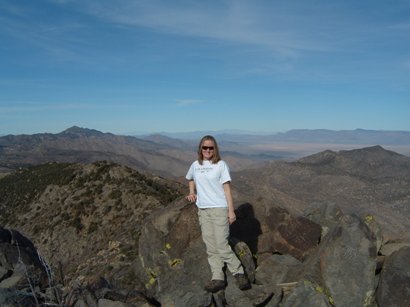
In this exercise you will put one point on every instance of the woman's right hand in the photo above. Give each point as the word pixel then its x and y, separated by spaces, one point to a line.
pixel 191 198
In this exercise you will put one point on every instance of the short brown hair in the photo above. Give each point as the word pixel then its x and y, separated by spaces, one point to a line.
pixel 216 156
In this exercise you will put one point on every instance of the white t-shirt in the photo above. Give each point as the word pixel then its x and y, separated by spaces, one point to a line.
pixel 209 179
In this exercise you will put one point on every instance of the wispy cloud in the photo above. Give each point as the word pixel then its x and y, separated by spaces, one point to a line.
pixel 54 39
pixel 239 22
pixel 27 106
pixel 65 39
pixel 278 30
pixel 400 26
pixel 187 102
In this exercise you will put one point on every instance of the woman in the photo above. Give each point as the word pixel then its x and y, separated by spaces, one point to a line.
pixel 210 187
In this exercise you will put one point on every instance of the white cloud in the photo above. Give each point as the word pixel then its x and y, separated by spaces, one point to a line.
pixel 187 102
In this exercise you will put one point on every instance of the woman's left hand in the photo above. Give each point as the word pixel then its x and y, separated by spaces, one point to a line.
pixel 231 217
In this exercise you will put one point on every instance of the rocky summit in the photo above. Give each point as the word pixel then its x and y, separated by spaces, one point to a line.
pixel 103 234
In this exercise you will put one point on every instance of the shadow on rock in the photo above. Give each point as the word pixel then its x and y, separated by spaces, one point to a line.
pixel 247 228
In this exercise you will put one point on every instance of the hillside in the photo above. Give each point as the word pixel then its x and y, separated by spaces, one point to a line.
pixel 371 180
pixel 78 214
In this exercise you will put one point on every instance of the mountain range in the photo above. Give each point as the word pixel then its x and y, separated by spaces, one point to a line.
pixel 169 156
pixel 157 154
pixel 324 136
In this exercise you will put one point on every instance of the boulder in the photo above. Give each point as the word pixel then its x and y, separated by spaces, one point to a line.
pixel 277 269
pixel 375 228
pixel 12 298
pixel 327 215
pixel 296 236
pixel 307 294
pixel 173 263
pixel 394 283
pixel 100 293
pixel 394 245
pixel 258 295
pixel 244 254
pixel 344 264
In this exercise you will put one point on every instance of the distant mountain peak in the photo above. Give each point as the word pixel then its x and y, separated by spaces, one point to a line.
pixel 75 130
pixel 372 154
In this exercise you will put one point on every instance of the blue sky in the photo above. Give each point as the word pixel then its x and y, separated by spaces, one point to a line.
pixel 129 66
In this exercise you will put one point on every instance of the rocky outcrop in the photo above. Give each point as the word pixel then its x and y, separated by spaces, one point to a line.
pixel 174 266
pixel 343 270
pixel 171 267
pixel 338 267
pixel 27 280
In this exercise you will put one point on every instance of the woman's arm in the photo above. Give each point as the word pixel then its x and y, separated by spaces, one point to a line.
pixel 229 200
pixel 192 196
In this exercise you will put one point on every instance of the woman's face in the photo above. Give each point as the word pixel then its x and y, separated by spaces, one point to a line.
pixel 208 149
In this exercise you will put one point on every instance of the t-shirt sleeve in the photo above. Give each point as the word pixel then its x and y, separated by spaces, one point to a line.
pixel 225 175
pixel 190 174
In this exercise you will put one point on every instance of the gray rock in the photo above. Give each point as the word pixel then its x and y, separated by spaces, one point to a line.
pixel 394 284
pixel 308 295
pixel 375 228
pixel 258 295
pixel 18 275
pixel 286 234
pixel 394 245
pixel 109 303
pixel 389 248
pixel 245 256
pixel 277 269
pixel 344 263
pixel 327 215
pixel 173 257
pixel 12 298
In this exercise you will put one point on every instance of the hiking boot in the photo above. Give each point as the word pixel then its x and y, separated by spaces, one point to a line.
pixel 215 285
pixel 242 281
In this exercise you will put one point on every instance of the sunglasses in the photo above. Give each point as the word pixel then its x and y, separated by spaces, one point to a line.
pixel 207 147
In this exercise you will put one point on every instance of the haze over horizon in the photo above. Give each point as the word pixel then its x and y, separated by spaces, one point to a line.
pixel 130 67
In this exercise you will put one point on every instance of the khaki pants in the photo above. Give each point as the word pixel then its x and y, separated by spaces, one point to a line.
pixel 215 233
